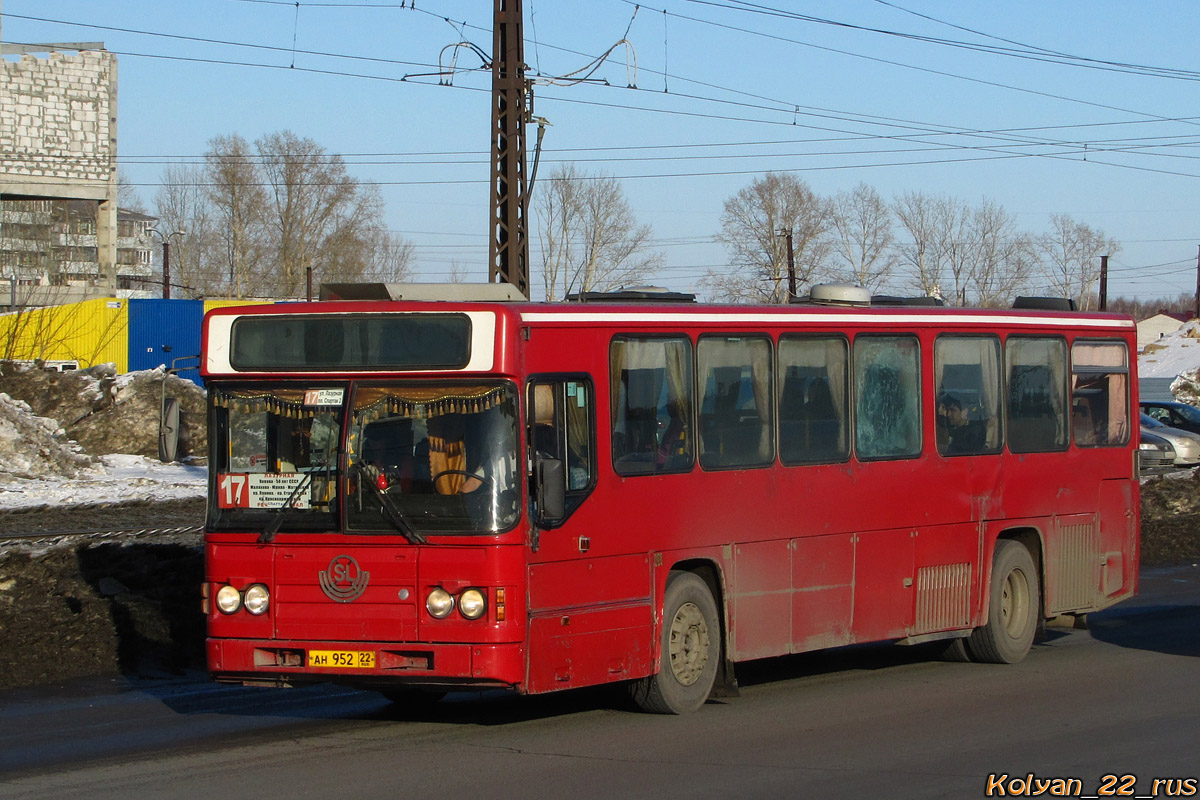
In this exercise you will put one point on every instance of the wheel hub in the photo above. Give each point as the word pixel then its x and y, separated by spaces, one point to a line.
pixel 689 644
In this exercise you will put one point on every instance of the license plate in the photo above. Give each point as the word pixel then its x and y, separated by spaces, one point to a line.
pixel 342 659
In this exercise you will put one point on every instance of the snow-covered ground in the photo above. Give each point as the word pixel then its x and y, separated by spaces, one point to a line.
pixel 1171 355
pixel 113 479
pixel 41 466
pixel 1175 358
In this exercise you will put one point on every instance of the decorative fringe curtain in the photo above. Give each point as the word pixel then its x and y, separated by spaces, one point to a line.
pixel 281 402
pixel 425 402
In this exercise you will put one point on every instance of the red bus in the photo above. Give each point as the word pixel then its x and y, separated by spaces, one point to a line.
pixel 421 497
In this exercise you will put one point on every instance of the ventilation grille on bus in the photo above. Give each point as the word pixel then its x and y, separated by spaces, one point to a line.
pixel 1077 564
pixel 633 294
pixel 943 597
pixel 893 300
pixel 1045 303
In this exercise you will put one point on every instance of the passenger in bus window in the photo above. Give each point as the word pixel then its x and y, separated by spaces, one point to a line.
pixel 1082 424
pixel 671 443
pixel 957 432
pixel 388 449
pixel 547 434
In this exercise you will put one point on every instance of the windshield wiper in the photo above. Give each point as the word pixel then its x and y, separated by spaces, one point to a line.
pixel 268 533
pixel 393 514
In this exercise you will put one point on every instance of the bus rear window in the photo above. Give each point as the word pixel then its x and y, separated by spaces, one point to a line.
pixel 351 342
pixel 1099 393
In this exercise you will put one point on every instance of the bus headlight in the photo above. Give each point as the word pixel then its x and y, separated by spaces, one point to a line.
pixel 472 604
pixel 439 603
pixel 229 599
pixel 257 598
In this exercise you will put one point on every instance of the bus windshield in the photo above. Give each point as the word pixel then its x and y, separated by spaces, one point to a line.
pixel 275 456
pixel 438 457
pixel 419 457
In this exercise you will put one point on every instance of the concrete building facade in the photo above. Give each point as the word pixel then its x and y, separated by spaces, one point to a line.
pixel 49 253
pixel 58 133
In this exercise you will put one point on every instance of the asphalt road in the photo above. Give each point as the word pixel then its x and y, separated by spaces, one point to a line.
pixel 1114 707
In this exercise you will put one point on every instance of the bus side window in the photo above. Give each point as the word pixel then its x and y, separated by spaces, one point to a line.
pixel 651 385
pixel 967 390
pixel 812 400
pixel 1037 393
pixel 1100 393
pixel 736 415
pixel 887 397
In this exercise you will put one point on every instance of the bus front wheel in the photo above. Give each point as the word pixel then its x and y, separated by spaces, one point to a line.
pixel 1013 609
pixel 690 649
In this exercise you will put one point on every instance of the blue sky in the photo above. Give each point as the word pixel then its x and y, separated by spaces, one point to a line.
pixel 1085 108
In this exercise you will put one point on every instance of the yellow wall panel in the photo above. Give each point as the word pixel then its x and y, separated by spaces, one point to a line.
pixel 209 305
pixel 92 332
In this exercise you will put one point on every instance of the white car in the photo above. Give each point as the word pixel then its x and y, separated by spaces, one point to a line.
pixel 1155 454
pixel 1186 443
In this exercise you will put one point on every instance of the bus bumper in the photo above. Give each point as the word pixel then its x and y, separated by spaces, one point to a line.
pixel 369 664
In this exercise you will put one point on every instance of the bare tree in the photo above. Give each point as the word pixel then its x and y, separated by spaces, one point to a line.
pixel 316 211
pixel 750 229
pixel 182 204
pixel 590 238
pixel 862 241
pixel 1143 309
pixel 916 213
pixel 1071 257
pixel 358 251
pixel 256 220
pixel 956 252
pixel 389 256
pixel 128 197
pixel 556 204
pixel 235 190
pixel 1004 256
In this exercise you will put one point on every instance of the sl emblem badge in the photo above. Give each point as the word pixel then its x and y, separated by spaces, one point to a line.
pixel 343 581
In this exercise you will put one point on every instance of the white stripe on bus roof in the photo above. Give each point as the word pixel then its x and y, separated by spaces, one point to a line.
pixel 851 318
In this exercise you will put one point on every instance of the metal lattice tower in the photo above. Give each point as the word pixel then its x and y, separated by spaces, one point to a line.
pixel 509 235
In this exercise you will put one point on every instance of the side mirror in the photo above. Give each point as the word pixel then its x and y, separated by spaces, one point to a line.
pixel 551 496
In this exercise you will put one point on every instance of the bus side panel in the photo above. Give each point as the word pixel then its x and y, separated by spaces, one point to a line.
pixel 761 600
pixel 1119 507
pixel 883 584
pixel 823 602
pixel 590 622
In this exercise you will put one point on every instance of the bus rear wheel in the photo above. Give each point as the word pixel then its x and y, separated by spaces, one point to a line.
pixel 1013 610
pixel 690 649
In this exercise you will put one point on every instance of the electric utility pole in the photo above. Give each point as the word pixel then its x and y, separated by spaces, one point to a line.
pixel 1104 283
pixel 791 264
pixel 1196 311
pixel 509 239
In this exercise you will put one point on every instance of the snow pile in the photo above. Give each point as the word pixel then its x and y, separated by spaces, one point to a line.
pixel 91 437
pixel 36 447
pixel 1176 355
pixel 112 479
pixel 1173 354
pixel 124 416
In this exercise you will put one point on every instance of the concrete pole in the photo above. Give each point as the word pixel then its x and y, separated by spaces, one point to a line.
pixel 166 293
pixel 1103 283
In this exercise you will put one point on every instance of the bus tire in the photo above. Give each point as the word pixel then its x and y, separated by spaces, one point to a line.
pixel 1014 608
pixel 690 649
